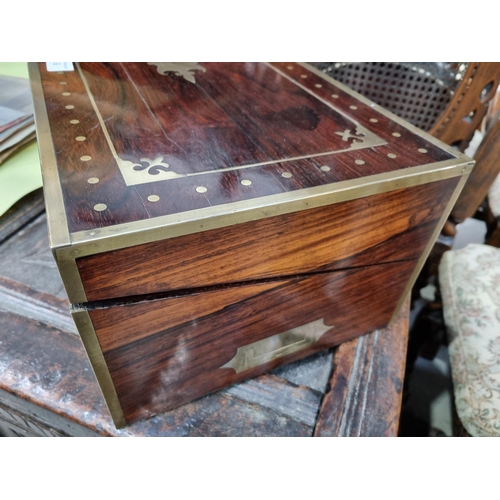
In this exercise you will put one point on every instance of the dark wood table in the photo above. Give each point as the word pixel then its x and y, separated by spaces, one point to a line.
pixel 47 387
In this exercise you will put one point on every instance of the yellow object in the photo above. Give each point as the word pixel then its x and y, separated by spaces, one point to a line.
pixel 20 174
pixel 17 69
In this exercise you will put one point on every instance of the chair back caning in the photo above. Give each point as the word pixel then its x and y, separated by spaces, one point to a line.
pixel 448 100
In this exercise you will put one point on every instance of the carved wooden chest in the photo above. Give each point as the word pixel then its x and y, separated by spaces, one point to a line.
pixel 213 221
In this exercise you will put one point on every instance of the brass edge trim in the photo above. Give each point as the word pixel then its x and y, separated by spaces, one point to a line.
pixel 56 213
pixel 455 152
pixel 431 243
pixel 71 279
pixel 101 372
pixel 170 226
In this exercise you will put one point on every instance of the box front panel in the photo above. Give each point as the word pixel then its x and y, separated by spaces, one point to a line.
pixel 164 353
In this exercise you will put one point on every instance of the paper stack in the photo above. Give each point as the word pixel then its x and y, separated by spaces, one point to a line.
pixel 17 125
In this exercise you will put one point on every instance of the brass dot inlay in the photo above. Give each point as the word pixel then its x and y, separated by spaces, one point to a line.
pixel 63 83
pixel 353 107
pixel 286 175
pixel 74 122
pixel 396 134
pixel 93 180
pixel 289 67
pixel 391 155
pixel 69 106
pixel 373 120
pixel 80 138
pixel 422 150
pixel 246 182
pixel 318 85
pixel 335 96
pixel 303 76
pixel 201 189
pixel 66 93
pixel 153 198
pixel 359 162
pixel 100 207
pixel 85 157
pixel 325 168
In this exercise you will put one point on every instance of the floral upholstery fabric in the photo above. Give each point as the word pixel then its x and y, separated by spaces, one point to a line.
pixel 494 197
pixel 470 286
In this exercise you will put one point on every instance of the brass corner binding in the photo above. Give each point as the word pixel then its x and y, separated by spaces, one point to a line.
pixel 54 203
pixel 101 372
pixel 432 240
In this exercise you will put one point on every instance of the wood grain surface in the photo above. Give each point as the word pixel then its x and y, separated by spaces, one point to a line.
pixel 236 114
pixel 380 228
pixel 169 363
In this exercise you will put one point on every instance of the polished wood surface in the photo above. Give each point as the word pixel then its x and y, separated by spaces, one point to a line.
pixel 380 228
pixel 170 362
pixel 234 115
pixel 47 387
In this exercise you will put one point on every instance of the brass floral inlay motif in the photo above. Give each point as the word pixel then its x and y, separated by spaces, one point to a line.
pixel 185 69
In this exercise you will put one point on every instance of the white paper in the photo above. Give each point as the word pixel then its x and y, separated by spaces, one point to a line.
pixel 60 66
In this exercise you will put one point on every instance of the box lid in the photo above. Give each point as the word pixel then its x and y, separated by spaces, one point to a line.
pixel 136 152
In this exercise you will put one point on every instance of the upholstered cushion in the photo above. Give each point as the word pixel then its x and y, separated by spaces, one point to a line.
pixel 494 197
pixel 470 288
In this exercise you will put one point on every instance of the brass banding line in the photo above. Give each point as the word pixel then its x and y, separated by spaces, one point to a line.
pixel 194 221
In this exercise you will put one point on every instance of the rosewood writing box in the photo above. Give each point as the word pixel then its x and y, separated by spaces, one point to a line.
pixel 213 221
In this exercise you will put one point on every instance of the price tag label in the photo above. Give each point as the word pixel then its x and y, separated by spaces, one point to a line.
pixel 60 66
